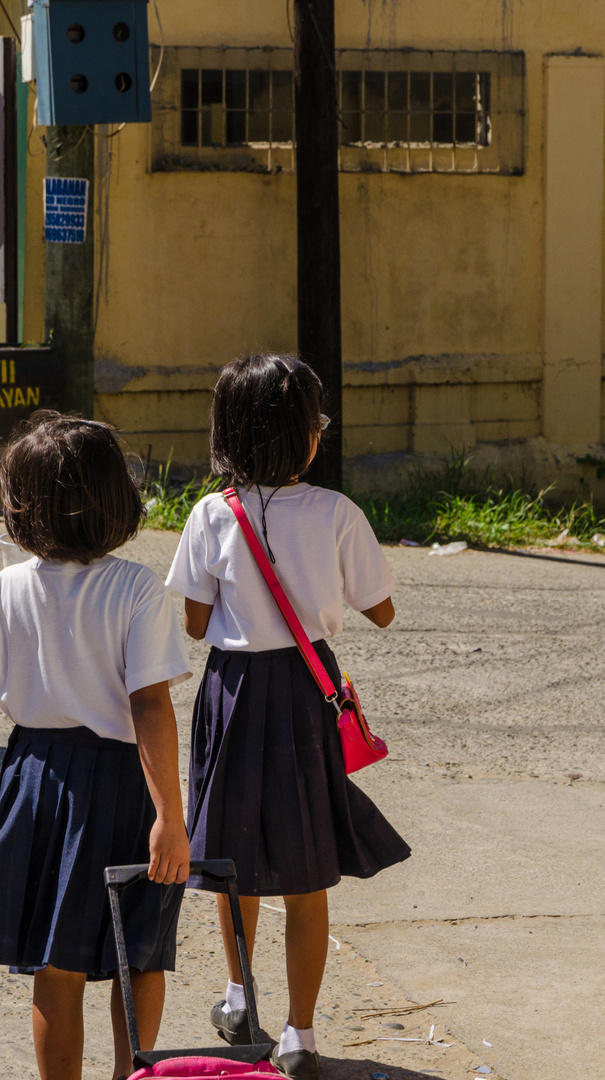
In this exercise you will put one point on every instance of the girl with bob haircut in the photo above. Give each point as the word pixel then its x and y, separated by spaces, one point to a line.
pixel 267 783
pixel 89 646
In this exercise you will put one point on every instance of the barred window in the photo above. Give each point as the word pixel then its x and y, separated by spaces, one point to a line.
pixel 232 107
pixel 415 107
pixel 398 110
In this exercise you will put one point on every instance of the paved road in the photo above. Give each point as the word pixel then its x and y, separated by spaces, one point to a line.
pixel 489 690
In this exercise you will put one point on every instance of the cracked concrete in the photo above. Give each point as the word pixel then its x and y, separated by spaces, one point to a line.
pixel 488 689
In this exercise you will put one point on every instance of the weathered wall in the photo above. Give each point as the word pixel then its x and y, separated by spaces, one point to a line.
pixel 447 303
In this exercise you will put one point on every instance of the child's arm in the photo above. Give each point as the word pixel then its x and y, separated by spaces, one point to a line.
pixel 197 617
pixel 381 614
pixel 155 727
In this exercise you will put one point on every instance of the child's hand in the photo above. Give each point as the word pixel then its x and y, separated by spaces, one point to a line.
pixel 168 852
pixel 155 727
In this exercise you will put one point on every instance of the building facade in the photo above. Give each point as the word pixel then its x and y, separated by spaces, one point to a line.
pixel 471 202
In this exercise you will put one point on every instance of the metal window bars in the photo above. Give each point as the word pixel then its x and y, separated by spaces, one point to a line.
pixel 400 110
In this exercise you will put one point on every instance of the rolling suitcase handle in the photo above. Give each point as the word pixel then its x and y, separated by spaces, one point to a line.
pixel 120 877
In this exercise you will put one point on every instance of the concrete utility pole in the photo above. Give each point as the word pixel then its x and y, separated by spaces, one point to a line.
pixel 69 296
pixel 319 331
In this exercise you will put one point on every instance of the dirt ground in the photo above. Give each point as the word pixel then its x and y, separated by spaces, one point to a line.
pixel 488 688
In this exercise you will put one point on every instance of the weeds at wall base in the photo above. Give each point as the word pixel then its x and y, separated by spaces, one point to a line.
pixel 169 504
pixel 456 503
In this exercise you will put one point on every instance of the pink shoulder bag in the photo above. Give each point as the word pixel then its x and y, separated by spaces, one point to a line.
pixel 359 746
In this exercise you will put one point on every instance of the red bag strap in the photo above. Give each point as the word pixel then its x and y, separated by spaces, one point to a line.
pixel 309 654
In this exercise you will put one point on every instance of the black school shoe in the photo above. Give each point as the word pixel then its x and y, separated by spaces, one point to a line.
pixel 233 1026
pixel 297 1064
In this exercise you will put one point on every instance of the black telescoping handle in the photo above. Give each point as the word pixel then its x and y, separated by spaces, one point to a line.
pixel 120 877
pixel 123 969
pixel 244 960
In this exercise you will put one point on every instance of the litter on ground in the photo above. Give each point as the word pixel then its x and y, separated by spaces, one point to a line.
pixel 430 1040
pixel 375 1013
pixel 562 540
pixel 449 549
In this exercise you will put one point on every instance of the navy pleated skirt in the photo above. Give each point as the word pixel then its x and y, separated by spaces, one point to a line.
pixel 267 786
pixel 72 803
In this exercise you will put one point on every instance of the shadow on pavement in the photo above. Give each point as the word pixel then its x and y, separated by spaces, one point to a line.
pixel 544 558
pixel 347 1068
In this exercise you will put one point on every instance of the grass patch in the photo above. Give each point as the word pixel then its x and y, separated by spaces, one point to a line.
pixel 452 502
pixel 455 503
pixel 169 504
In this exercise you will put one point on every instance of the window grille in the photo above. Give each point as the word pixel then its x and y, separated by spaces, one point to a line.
pixel 235 107
pixel 399 110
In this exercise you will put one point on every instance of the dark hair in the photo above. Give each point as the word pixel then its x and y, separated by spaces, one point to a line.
pixel 66 490
pixel 264 411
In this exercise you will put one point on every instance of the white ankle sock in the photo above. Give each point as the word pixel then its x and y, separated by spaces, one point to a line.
pixel 235 997
pixel 296 1039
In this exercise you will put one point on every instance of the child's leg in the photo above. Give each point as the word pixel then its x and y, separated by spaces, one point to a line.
pixel 250 907
pixel 307 930
pixel 148 989
pixel 58 1023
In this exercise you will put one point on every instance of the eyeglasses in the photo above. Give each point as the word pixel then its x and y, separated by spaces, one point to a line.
pixel 323 421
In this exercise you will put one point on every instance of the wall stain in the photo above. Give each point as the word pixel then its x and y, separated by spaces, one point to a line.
pixel 431 362
pixel 364 194
pixel 104 157
pixel 111 376
pixel 393 20
pixel 370 4
pixel 390 15
pixel 507 23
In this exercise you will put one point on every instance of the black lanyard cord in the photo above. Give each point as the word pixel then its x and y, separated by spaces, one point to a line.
pixel 264 519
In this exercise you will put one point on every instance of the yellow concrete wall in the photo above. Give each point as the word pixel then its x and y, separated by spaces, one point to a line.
pixel 442 276
pixel 573 315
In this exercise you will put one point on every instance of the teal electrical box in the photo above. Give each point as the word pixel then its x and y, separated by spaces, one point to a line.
pixel 92 61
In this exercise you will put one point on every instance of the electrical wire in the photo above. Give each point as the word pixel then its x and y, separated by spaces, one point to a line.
pixel 102 135
pixel 54 149
pixel 29 139
pixel 103 211
pixel 157 70
pixel 324 47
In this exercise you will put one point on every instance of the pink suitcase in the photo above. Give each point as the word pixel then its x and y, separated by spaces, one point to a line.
pixel 248 1062
pixel 207 1068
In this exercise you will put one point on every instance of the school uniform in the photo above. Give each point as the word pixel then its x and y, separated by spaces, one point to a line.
pixel 75 641
pixel 267 786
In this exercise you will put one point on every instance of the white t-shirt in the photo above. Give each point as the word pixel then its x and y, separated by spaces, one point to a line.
pixel 76 640
pixel 325 552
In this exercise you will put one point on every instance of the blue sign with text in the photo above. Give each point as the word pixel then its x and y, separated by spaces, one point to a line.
pixel 65 209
